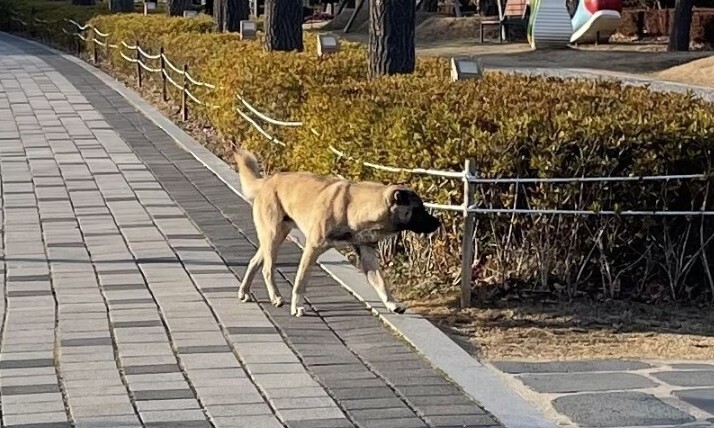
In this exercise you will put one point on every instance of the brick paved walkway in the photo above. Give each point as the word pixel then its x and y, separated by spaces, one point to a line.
pixel 122 255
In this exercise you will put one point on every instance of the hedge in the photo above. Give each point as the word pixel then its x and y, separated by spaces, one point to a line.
pixel 511 125
pixel 658 23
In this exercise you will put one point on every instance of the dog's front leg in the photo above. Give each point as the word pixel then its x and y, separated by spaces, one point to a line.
pixel 369 262
pixel 309 257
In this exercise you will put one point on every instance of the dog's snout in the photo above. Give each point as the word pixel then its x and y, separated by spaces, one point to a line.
pixel 423 223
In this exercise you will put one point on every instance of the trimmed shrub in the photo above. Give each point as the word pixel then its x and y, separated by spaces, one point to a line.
pixel 511 125
pixel 657 23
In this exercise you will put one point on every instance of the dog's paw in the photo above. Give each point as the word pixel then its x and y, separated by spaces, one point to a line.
pixel 395 307
pixel 278 301
pixel 243 296
pixel 298 312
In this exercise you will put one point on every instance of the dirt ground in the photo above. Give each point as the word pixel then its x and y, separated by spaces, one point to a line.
pixel 536 330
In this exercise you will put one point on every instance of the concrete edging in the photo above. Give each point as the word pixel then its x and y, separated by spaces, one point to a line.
pixel 488 386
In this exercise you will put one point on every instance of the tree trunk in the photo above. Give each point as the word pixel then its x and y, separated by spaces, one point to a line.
pixel 488 7
pixel 283 25
pixel 391 37
pixel 219 13
pixel 176 7
pixel 121 6
pixel 235 12
pixel 681 26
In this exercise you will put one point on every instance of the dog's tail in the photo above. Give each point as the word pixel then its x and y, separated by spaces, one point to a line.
pixel 248 172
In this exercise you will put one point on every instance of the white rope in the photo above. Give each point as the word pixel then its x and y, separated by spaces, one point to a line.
pixel 261 130
pixel 41 21
pixel 421 171
pixel 193 98
pixel 80 36
pixel 168 77
pixel 113 46
pixel 147 55
pixel 127 58
pixel 147 68
pixel 129 46
pixel 19 20
pixel 80 27
pixel 473 209
pixel 99 33
pixel 267 118
pixel 198 83
pixel 171 66
pixel 587 179
pixel 99 43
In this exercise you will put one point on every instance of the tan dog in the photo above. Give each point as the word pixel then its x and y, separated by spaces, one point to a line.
pixel 330 212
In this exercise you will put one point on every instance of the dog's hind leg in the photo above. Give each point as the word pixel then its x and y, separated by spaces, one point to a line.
pixel 369 262
pixel 309 257
pixel 253 265
pixel 270 242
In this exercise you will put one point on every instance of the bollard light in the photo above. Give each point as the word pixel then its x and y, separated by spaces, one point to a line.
pixel 190 13
pixel 465 68
pixel 248 30
pixel 327 44
pixel 149 5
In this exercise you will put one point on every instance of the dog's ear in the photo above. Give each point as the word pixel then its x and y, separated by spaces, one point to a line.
pixel 402 197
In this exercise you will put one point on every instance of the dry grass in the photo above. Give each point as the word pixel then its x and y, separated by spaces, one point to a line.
pixel 575 330
pixel 698 72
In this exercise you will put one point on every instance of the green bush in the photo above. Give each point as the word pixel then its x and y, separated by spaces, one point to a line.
pixel 511 125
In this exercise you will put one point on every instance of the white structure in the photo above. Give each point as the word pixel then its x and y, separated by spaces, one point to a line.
pixel 550 25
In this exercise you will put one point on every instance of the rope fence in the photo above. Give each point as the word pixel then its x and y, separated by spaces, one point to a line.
pixel 468 208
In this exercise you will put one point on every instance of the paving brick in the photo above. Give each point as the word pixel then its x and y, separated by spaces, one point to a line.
pixel 175 415
pixel 178 404
pixel 575 382
pixel 320 423
pixel 167 394
pixel 247 422
pixel 240 410
pixel 34 418
pixel 687 378
pixel 33 407
pixel 619 409
pixel 29 389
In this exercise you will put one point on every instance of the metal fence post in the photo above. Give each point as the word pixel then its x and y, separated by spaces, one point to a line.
pixel 79 46
pixel 95 53
pixel 467 242
pixel 164 93
pixel 106 50
pixel 138 64
pixel 184 95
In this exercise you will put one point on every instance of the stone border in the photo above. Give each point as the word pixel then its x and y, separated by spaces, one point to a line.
pixel 486 384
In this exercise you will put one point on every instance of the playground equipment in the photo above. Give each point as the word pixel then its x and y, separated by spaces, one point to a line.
pixel 549 25
pixel 596 20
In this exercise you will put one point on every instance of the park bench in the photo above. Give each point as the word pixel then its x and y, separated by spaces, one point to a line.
pixel 514 14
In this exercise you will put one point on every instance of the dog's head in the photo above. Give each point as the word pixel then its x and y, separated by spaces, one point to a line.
pixel 408 213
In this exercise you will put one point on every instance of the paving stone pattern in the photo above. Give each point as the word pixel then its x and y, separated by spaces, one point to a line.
pixel 619 393
pixel 122 260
